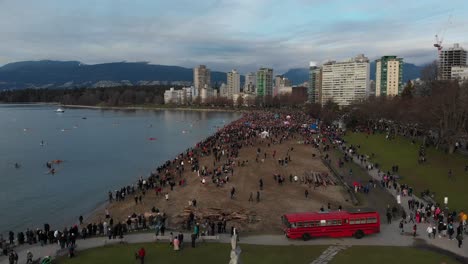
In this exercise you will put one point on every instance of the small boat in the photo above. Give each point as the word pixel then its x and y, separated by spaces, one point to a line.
pixel 59 110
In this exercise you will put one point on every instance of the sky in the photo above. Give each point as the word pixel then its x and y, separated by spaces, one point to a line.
pixel 228 34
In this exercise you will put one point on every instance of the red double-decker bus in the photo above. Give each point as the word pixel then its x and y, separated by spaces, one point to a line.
pixel 330 224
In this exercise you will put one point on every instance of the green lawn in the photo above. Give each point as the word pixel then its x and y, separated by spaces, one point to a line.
pixel 433 175
pixel 215 253
pixel 209 253
pixel 389 255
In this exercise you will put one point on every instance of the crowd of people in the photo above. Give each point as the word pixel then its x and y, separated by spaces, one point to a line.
pixel 439 219
pixel 223 146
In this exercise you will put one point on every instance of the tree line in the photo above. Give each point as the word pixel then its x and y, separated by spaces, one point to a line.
pixel 138 95
pixel 434 111
pixel 109 96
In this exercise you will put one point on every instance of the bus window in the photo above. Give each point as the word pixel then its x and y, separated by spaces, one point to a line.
pixel 323 222
pixel 286 222
pixel 371 220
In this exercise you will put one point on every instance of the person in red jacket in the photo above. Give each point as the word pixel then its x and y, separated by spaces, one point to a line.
pixel 141 255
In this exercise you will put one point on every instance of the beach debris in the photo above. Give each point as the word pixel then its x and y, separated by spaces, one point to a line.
pixel 319 178
pixel 240 217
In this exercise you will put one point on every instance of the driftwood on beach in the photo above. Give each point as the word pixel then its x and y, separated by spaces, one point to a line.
pixel 320 178
pixel 241 216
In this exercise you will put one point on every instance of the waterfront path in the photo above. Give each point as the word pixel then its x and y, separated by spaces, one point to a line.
pixel 389 236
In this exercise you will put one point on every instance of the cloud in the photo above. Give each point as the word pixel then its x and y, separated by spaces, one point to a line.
pixel 224 34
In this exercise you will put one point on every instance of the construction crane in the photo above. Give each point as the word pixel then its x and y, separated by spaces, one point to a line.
pixel 439 41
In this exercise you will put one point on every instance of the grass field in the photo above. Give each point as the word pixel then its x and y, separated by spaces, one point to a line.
pixel 432 175
pixel 215 253
pixel 390 255
pixel 210 253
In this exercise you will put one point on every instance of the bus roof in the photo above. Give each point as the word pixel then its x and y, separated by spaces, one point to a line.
pixel 297 217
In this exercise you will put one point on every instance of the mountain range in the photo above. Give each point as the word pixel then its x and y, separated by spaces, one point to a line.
pixel 69 74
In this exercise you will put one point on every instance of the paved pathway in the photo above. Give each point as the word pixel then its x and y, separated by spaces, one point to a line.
pixel 389 236
pixel 328 254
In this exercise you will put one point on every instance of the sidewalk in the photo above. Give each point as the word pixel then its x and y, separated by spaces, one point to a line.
pixel 387 237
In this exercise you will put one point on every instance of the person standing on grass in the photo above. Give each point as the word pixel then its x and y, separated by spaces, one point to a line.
pixel 141 255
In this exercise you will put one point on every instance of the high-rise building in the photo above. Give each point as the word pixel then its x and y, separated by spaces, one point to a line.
pixel 345 82
pixel 233 83
pixel 454 56
pixel 371 88
pixel 314 82
pixel 388 76
pixel 460 73
pixel 264 82
pixel 223 92
pixel 201 77
pixel 250 82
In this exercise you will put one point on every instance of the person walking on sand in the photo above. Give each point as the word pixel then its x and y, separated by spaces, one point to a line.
pixel 233 191
pixel 258 196
pixel 306 193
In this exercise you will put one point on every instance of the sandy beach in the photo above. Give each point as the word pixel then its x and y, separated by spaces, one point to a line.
pixel 275 200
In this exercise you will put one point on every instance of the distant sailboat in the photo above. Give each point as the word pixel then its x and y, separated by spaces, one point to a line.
pixel 59 110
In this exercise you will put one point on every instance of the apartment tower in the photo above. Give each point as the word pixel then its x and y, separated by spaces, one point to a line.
pixel 388 76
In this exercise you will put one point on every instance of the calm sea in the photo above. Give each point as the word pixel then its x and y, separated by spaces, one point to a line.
pixel 102 150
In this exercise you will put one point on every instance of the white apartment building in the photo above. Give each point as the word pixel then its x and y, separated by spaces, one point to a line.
pixel 233 83
pixel 250 82
pixel 460 73
pixel 206 93
pixel 180 97
pixel 223 92
pixel 345 82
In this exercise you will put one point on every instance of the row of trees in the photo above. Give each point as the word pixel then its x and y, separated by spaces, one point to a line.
pixel 440 115
pixel 137 95
pixel 111 96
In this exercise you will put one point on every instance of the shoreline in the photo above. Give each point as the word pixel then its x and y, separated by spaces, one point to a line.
pixel 152 108
pixel 101 204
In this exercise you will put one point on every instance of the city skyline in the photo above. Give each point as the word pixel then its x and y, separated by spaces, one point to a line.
pixel 242 34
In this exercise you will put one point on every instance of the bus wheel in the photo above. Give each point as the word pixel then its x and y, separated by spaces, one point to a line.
pixel 305 237
pixel 359 234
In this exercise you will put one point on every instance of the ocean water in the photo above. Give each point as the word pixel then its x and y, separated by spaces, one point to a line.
pixel 101 150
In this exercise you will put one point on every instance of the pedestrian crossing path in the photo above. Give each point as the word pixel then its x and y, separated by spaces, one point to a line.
pixel 329 254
